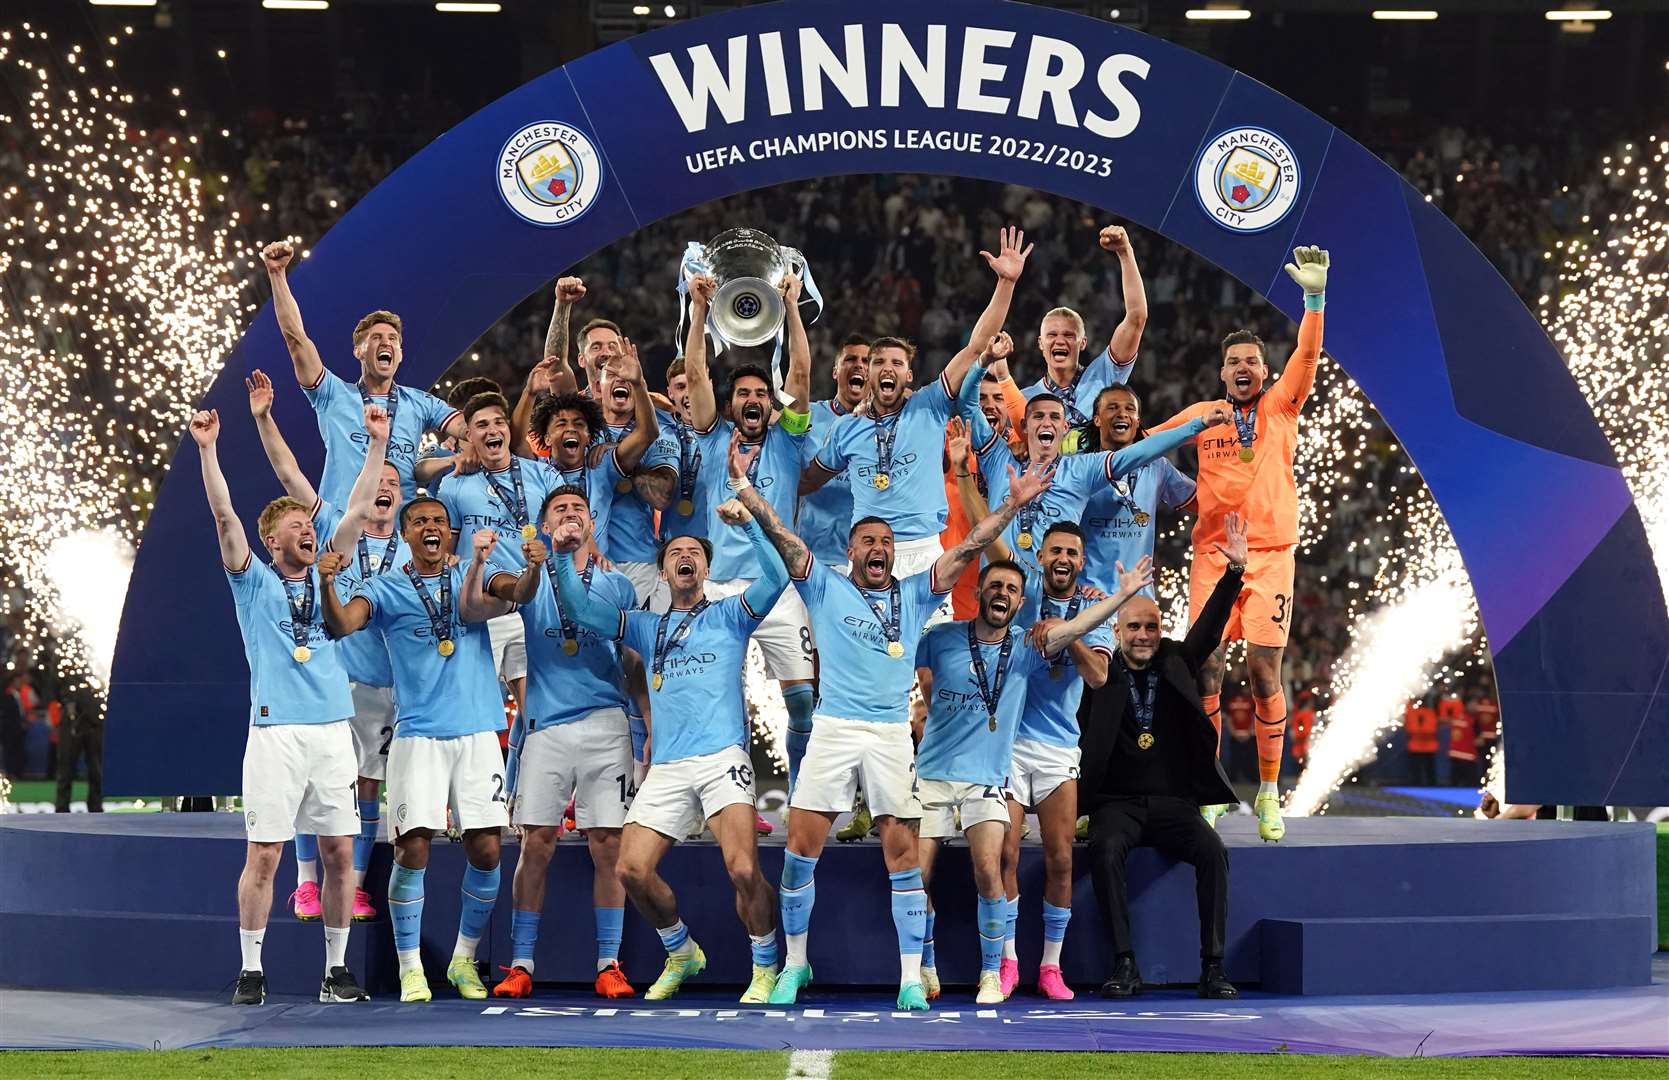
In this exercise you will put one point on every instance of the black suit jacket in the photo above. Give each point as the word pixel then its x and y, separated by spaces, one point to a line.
pixel 1178 663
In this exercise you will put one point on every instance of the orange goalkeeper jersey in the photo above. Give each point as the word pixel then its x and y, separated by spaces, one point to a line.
pixel 1261 490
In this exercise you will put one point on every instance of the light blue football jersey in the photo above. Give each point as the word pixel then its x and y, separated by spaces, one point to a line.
pixel 502 501
pixel 283 690
pixel 859 680
pixel 1054 690
pixel 340 408
pixel 825 516
pixel 363 654
pixel 1111 531
pixel 631 529
pixel 774 470
pixel 958 743
pixel 440 697
pixel 914 497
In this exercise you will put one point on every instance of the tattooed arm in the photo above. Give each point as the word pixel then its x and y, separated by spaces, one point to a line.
pixel 795 555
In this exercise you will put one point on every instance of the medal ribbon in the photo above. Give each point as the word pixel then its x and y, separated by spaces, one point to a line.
pixel 889 623
pixel 440 618
pixel 689 459
pixel 885 433
pixel 1246 427
pixel 1068 395
pixel 570 631
pixel 393 402
pixel 1121 488
pixel 301 608
pixel 516 503
pixel 1143 703
pixel 387 556
pixel 662 645
pixel 1050 611
pixel 1026 518
pixel 990 695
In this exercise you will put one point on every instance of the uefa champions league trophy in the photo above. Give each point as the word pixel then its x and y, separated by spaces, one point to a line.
pixel 750 268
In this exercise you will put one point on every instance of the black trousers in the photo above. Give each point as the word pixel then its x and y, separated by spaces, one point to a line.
pixel 1174 827
pixel 81 740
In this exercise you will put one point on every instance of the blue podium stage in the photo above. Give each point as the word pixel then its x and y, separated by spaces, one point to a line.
pixel 145 903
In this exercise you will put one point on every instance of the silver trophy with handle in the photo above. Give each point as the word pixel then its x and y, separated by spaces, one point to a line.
pixel 749 268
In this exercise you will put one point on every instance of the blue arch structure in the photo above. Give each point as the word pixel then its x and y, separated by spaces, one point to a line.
pixel 1084 109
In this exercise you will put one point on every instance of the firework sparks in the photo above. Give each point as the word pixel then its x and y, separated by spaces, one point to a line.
pixel 122 297
pixel 1611 324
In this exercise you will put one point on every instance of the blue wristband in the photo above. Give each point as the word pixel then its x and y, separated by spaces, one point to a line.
pixel 1315 301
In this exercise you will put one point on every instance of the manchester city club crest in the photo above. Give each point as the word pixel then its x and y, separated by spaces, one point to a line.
pixel 549 173
pixel 1247 179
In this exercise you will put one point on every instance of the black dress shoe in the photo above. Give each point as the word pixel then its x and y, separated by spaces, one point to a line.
pixel 1214 984
pixel 1126 980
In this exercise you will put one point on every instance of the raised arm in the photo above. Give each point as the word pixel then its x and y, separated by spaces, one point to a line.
pixel 303 354
pixel 595 615
pixel 1022 489
pixel 1007 264
pixel 798 382
pixel 795 557
pixel 658 485
pixel 364 492
pixel 704 407
pixel 1158 444
pixel 974 504
pixel 340 619
pixel 1309 270
pixel 1207 632
pixel 1127 336
pixel 996 364
pixel 569 291
pixel 814 476
pixel 1061 633
pixel 283 462
pixel 762 592
pixel 474 603
pixel 521 588
pixel 234 546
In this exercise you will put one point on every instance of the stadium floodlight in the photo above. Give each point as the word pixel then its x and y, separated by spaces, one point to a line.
pixel 640 9
pixel 1579 15
pixel 296 5
pixel 122 3
pixel 454 8
pixel 1404 15
pixel 671 12
pixel 1218 14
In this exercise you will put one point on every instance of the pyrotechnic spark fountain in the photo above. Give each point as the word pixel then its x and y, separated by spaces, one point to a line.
pixel 1611 323
pixel 122 296
pixel 1425 613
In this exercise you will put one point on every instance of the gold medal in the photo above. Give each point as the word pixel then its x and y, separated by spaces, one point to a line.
pixel 623 485
pixel 895 649
pixel 1142 517
pixel 1144 741
pixel 529 531
pixel 882 481
pixel 302 654
pixel 1025 540
pixel 655 683
pixel 445 647
pixel 1055 672
pixel 991 722
pixel 1247 454
pixel 570 647
pixel 686 507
